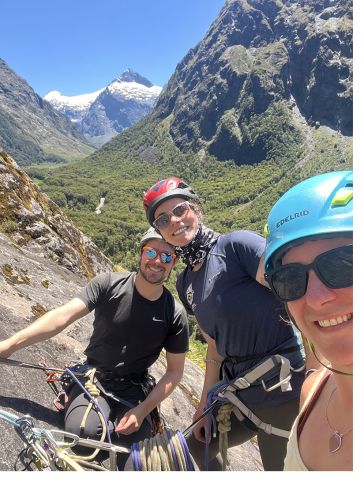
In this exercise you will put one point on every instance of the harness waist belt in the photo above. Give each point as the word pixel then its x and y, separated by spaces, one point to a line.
pixel 254 356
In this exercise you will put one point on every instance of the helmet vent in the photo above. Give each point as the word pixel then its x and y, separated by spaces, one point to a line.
pixel 342 197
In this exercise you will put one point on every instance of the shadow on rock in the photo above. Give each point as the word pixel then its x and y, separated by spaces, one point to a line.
pixel 35 410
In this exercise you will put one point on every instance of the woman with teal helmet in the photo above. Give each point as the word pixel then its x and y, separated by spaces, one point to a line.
pixel 308 265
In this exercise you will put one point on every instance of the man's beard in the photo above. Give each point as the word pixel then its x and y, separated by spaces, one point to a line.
pixel 151 281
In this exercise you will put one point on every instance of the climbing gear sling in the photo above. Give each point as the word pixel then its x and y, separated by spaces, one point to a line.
pixel 224 392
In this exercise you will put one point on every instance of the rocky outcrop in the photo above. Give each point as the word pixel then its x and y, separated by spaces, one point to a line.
pixel 36 223
pixel 30 128
pixel 233 94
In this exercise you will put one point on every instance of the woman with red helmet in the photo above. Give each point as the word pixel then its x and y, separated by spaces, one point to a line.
pixel 223 286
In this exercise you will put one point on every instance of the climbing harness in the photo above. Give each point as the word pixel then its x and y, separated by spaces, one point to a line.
pixel 92 388
pixel 48 450
pixel 224 393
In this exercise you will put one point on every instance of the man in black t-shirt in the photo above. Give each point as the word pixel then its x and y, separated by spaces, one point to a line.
pixel 135 318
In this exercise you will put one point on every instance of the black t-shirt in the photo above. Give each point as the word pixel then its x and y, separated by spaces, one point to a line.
pixel 129 330
pixel 240 314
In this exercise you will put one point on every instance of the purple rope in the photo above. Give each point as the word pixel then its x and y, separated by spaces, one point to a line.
pixel 94 402
pixel 172 449
pixel 186 452
pixel 135 452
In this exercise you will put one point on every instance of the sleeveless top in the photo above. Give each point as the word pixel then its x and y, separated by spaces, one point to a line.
pixel 293 460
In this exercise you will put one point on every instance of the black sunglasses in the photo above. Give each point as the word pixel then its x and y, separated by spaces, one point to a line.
pixel 334 268
pixel 178 211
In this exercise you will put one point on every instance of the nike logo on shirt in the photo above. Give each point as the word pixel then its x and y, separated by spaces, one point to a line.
pixel 157 320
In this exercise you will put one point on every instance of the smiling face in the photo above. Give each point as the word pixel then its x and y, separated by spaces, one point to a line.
pixel 181 230
pixel 324 315
pixel 154 270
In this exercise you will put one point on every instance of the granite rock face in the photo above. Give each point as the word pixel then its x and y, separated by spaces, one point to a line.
pixel 38 224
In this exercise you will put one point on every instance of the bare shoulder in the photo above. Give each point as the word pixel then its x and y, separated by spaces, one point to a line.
pixel 309 384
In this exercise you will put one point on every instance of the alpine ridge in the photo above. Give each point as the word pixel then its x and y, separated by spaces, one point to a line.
pixel 30 129
pixel 262 59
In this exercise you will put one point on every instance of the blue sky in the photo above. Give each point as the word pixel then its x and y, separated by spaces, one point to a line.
pixel 79 46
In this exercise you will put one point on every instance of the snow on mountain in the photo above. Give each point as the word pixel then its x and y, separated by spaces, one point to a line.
pixel 75 101
pixel 103 114
pixel 134 91
pixel 74 107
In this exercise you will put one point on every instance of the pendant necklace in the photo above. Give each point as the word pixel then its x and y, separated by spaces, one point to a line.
pixel 336 439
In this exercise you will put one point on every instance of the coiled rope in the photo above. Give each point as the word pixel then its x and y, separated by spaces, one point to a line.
pixel 92 392
pixel 165 451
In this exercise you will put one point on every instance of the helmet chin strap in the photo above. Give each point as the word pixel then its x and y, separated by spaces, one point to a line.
pixel 312 348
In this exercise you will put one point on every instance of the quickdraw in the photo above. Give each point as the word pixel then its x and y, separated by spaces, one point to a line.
pixel 50 449
pixel 46 452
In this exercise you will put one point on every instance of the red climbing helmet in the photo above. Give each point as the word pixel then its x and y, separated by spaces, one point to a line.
pixel 163 190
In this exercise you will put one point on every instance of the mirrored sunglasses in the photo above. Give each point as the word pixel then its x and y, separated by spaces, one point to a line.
pixel 334 268
pixel 178 211
pixel 152 253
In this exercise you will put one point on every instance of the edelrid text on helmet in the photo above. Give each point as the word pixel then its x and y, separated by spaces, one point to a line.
pixel 292 216
pixel 321 206
pixel 165 189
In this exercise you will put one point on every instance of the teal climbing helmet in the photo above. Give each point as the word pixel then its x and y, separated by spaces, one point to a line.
pixel 319 206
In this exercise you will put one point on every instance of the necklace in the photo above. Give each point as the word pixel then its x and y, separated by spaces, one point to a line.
pixel 336 438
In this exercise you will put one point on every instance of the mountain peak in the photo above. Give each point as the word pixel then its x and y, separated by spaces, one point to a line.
pixel 101 115
pixel 129 75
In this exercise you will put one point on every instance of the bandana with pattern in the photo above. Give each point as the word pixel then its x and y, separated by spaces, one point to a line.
pixel 198 248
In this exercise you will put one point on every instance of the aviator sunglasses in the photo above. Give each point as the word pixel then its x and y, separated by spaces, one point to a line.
pixel 152 253
pixel 334 268
pixel 178 211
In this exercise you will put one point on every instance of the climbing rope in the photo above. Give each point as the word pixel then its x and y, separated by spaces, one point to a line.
pixel 213 398
pixel 165 451
pixel 92 392
pixel 224 426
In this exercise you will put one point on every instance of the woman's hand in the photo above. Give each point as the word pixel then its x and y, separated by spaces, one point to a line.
pixel 131 421
pixel 200 427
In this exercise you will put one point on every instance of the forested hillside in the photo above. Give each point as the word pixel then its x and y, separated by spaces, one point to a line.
pixel 233 196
